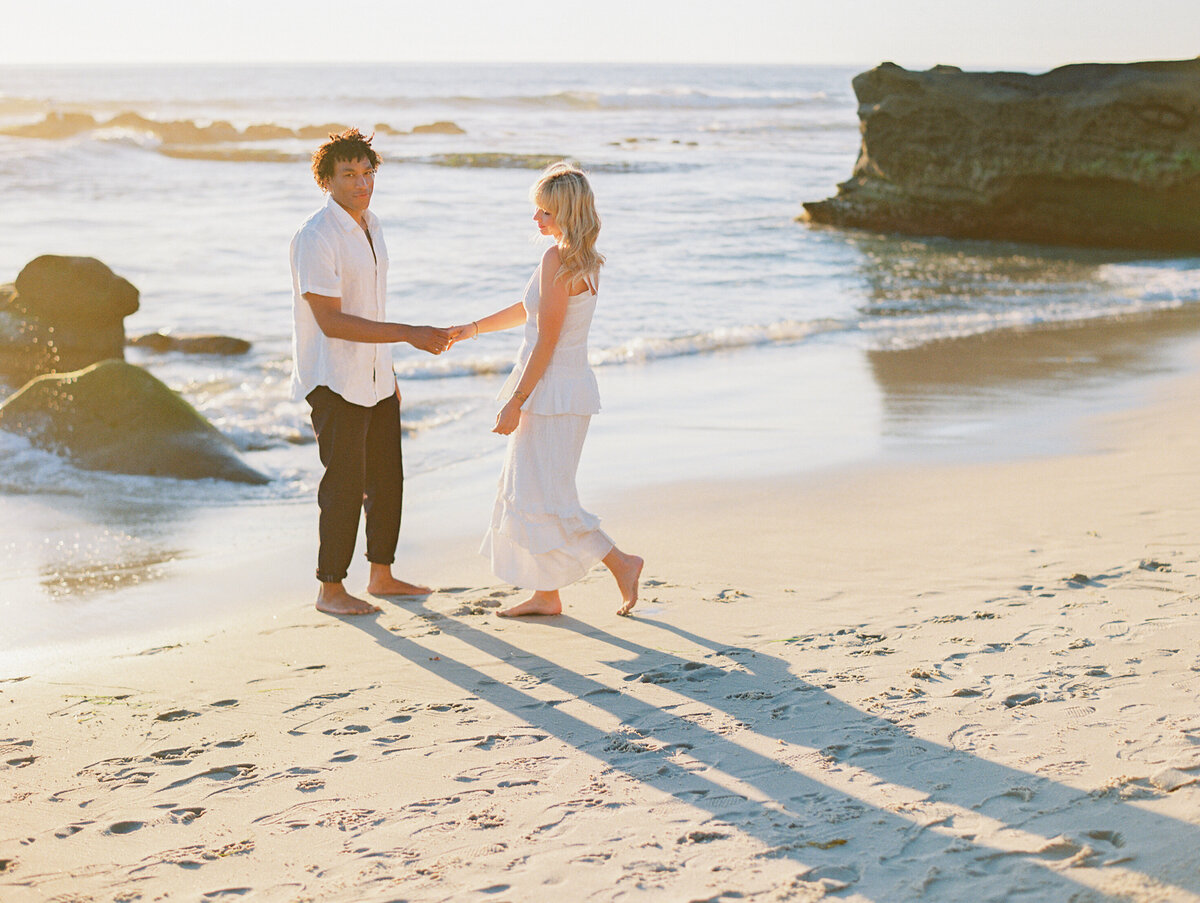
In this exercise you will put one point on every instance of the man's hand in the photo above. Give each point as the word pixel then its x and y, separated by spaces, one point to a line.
pixel 429 338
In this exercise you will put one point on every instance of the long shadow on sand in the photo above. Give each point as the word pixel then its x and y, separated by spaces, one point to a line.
pixel 887 815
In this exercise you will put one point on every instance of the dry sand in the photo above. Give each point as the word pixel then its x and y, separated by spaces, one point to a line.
pixel 952 682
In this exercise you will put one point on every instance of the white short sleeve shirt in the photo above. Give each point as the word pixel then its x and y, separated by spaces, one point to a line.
pixel 331 256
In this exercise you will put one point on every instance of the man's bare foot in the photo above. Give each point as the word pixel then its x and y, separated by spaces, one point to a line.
pixel 333 599
pixel 394 587
pixel 540 603
pixel 627 569
pixel 382 583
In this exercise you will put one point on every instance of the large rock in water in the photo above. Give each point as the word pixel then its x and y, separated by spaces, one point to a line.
pixel 64 313
pixel 1094 155
pixel 117 417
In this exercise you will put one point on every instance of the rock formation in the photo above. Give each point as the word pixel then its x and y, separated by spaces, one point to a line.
pixel 116 417
pixel 191 344
pixel 1091 155
pixel 441 127
pixel 63 313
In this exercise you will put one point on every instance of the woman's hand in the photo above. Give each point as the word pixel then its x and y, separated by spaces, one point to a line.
pixel 508 418
pixel 467 331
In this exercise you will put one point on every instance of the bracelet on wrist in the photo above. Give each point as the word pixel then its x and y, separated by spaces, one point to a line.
pixel 475 323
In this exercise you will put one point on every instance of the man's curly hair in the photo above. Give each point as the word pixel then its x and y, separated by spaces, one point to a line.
pixel 349 145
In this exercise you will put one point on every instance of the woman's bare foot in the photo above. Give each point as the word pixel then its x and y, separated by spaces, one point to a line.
pixel 540 603
pixel 333 599
pixel 627 569
pixel 382 583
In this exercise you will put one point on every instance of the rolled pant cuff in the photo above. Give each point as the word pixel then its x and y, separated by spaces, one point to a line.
pixel 329 578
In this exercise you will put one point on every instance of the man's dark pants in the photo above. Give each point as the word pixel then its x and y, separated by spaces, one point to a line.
pixel 364 471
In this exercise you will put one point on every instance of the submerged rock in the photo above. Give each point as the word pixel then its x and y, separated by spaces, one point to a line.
pixel 191 344
pixel 1093 155
pixel 328 130
pixel 55 125
pixel 116 417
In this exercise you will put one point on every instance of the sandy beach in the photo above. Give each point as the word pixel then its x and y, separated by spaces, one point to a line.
pixel 929 679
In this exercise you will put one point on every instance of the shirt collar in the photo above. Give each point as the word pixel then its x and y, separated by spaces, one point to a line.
pixel 344 219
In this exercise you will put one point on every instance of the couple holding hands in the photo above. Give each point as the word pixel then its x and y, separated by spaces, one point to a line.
pixel 540 537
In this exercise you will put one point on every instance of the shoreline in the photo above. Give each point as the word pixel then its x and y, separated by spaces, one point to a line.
pixel 998 398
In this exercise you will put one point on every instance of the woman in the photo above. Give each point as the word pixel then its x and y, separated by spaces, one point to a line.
pixel 541 538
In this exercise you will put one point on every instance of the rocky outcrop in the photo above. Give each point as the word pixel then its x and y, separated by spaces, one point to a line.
pixel 116 417
pixel 1091 155
pixel 62 314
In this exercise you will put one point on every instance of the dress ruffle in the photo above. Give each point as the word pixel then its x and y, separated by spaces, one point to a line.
pixel 548 571
pixel 541 531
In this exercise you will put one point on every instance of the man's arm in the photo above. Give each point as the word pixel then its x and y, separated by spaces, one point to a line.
pixel 337 324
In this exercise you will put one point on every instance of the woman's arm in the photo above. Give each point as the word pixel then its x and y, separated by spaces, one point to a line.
pixel 507 318
pixel 552 311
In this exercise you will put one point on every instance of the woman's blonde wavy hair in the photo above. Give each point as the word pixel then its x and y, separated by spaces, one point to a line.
pixel 563 191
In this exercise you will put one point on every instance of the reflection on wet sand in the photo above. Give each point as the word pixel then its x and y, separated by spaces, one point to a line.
pixel 74 547
pixel 974 378
pixel 113 563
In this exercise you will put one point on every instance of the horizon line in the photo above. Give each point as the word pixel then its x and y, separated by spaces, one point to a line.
pixel 978 66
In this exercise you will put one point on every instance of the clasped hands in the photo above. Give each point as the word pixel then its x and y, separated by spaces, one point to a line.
pixel 435 340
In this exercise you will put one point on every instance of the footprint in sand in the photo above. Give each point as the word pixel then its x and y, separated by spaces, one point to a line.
pixel 125 827
pixel 448 707
pixel 1022 699
pixel 181 755
pixel 221 773
pixel 177 715
pixel 1079 712
pixel 728 595
pixel 477 607
pixel 831 878
pixel 318 701
pixel 503 741
pixel 701 837
pixel 690 671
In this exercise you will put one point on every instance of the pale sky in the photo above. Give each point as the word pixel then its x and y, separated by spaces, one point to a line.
pixel 914 33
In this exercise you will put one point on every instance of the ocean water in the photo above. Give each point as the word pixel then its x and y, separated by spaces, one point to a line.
pixel 190 181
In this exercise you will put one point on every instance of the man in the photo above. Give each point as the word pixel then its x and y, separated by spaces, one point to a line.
pixel 343 368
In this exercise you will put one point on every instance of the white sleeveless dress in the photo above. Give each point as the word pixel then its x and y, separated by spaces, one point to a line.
pixel 540 537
